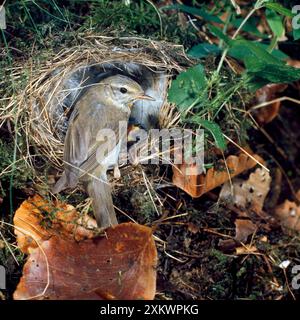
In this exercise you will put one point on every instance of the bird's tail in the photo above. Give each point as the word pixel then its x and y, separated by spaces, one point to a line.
pixel 100 192
pixel 60 185
pixel 67 180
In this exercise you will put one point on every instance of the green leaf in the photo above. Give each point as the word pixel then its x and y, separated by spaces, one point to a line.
pixel 188 87
pixel 195 11
pixel 239 52
pixel 252 50
pixel 202 50
pixel 263 73
pixel 215 131
pixel 279 9
pixel 296 34
pixel 275 52
pixel 275 23
pixel 219 33
pixel 262 66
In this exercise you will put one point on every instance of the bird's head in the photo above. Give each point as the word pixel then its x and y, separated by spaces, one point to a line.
pixel 123 90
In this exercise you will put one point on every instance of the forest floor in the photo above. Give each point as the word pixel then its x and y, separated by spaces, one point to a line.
pixel 194 260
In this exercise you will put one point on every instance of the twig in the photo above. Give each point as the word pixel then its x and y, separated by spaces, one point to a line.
pixel 46 259
pixel 247 153
pixel 159 16
pixel 9 248
pixel 264 104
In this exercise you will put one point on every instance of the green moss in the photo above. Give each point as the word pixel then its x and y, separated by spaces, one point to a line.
pixel 20 170
pixel 45 24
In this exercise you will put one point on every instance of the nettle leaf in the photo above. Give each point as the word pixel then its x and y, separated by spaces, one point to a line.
pixel 188 87
pixel 275 52
pixel 215 131
pixel 203 50
pixel 273 74
pixel 275 22
pixel 252 50
pixel 279 9
pixel 195 12
pixel 262 66
pixel 240 52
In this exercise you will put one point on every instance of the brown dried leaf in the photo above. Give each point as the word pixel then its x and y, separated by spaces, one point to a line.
pixel 247 195
pixel 246 250
pixel 288 213
pixel 120 265
pixel 243 229
pixel 196 185
pixel 37 219
pixel 294 63
pixel 268 93
pixel 250 193
pixel 27 221
pixel 193 228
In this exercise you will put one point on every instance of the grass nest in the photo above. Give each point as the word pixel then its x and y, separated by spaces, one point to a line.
pixel 55 85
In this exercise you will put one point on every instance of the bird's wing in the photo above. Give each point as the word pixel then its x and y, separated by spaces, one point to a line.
pixel 81 145
pixel 91 163
pixel 75 148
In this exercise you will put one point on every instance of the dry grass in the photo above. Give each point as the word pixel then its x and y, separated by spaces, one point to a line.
pixel 38 109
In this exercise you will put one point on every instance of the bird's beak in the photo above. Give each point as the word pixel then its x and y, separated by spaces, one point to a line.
pixel 145 97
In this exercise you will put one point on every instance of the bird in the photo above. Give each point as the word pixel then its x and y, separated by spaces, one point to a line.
pixel 86 158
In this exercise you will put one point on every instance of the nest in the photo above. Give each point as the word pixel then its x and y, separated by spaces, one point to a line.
pixel 56 86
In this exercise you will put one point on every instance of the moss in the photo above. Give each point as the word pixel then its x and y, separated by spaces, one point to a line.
pixel 46 24
pixel 20 171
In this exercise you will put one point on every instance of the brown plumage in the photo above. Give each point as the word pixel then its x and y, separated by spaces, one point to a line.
pixel 87 155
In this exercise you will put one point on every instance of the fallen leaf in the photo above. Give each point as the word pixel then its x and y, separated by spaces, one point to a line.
pixel 288 214
pixel 263 239
pixel 245 250
pixel 37 219
pixel 268 93
pixel 247 195
pixel 120 265
pixel 27 222
pixel 198 184
pixel 294 63
pixel 193 228
pixel 243 229
pixel 250 193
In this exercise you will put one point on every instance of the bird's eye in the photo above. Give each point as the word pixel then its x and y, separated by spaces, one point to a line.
pixel 123 90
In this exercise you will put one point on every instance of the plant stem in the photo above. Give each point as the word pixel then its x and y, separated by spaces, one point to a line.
pixel 258 5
